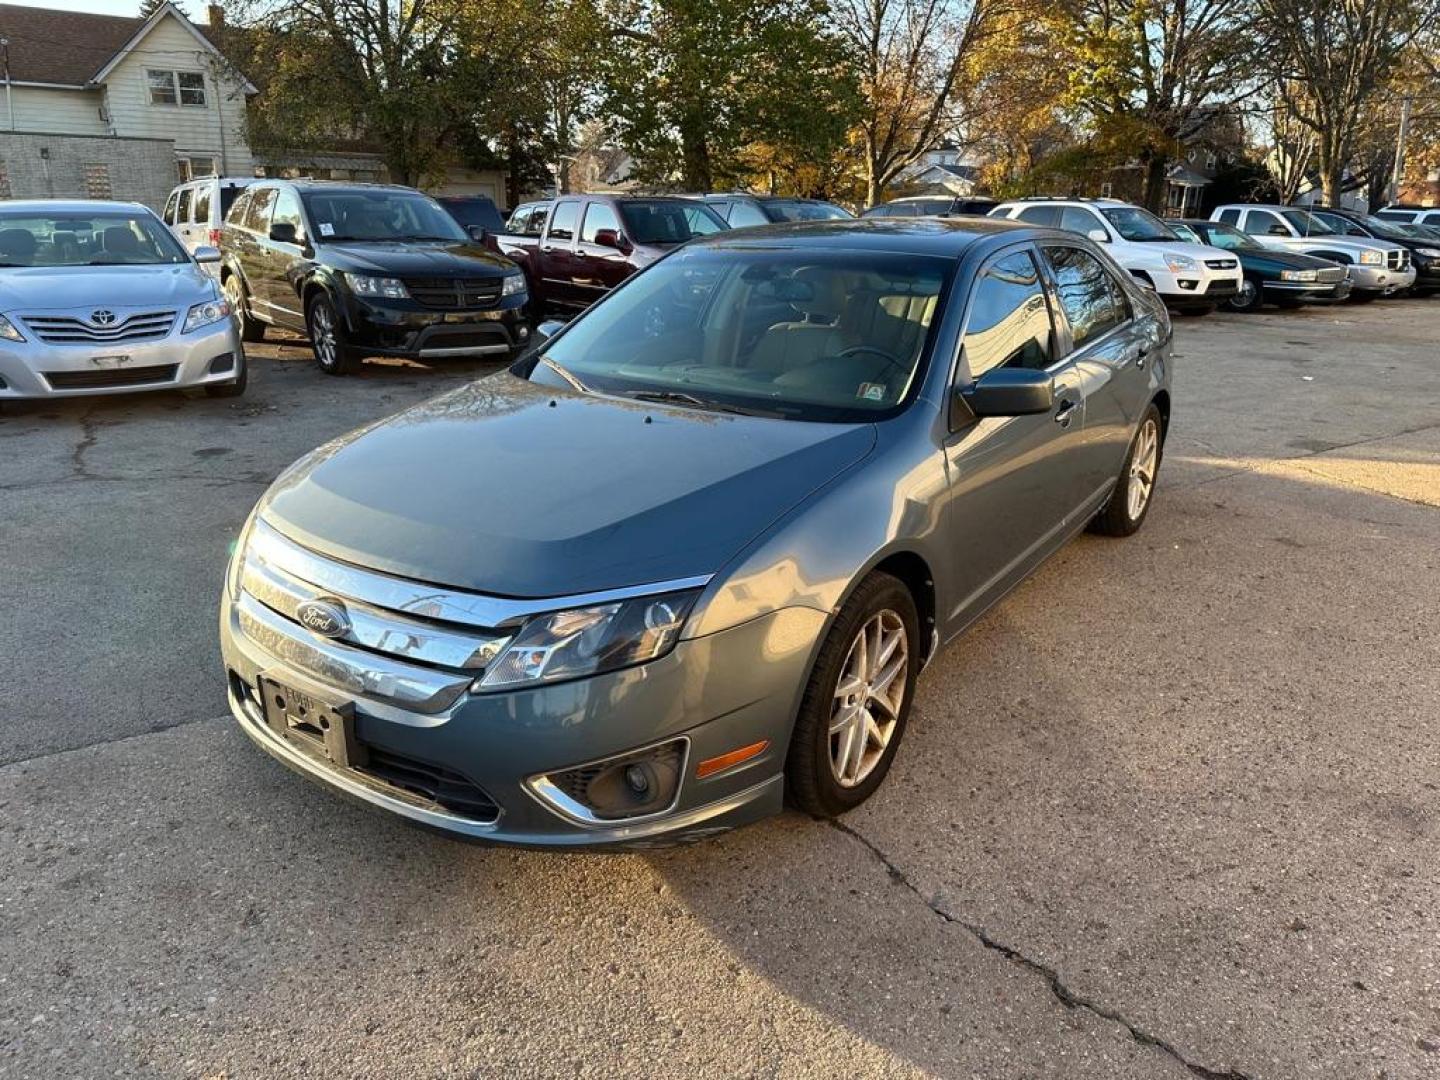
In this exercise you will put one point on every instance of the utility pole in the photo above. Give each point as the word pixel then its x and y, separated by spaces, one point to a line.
pixel 9 97
pixel 1398 176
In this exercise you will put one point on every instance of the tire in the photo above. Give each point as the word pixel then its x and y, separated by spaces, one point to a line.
pixel 1249 299
pixel 1121 516
pixel 327 338
pixel 234 388
pixel 813 782
pixel 1367 297
pixel 234 290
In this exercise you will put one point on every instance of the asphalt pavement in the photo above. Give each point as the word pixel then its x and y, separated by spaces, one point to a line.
pixel 1170 810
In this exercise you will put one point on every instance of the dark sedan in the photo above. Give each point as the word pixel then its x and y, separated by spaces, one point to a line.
pixel 690 557
pixel 1286 278
pixel 366 270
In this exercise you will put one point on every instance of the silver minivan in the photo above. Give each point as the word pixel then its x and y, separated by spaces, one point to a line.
pixel 195 211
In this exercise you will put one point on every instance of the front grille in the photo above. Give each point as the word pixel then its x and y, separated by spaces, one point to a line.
pixel 455 293
pixel 1221 264
pixel 1331 274
pixel 446 789
pixel 100 380
pixel 72 330
pixel 1397 260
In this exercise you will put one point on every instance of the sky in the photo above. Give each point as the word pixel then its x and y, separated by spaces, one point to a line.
pixel 109 7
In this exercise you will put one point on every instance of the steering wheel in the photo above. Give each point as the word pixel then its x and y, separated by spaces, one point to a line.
pixel 890 358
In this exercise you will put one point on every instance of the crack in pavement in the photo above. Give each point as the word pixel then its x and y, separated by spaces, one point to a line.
pixel 158 729
pixel 1062 993
pixel 87 477
pixel 89 433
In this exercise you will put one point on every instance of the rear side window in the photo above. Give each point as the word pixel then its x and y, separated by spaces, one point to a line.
pixel 1092 301
pixel 238 207
pixel 1230 217
pixel 1041 215
pixel 257 212
pixel 562 224
pixel 598 216
pixel 182 208
pixel 1009 322
pixel 169 214
pixel 202 207
pixel 744 214
pixel 228 195
pixel 1078 219
pixel 1397 215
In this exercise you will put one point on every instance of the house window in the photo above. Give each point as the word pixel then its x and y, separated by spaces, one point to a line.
pixel 97 182
pixel 176 87
pixel 1107 190
pixel 193 168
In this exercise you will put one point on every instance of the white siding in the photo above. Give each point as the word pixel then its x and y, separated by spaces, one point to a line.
pixel 63 112
pixel 196 130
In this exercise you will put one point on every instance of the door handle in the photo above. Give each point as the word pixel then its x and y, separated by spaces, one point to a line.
pixel 1066 412
pixel 1140 355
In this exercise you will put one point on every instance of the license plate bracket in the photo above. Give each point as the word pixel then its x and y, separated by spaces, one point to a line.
pixel 325 726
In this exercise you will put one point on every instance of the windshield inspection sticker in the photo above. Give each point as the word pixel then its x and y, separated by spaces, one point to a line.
pixel 326 229
pixel 871 391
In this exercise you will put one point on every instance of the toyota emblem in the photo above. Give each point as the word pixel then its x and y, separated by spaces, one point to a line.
pixel 102 317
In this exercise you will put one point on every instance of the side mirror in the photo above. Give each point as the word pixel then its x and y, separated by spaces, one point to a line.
pixel 207 254
pixel 546 330
pixel 283 232
pixel 1100 236
pixel 608 238
pixel 478 233
pixel 1008 392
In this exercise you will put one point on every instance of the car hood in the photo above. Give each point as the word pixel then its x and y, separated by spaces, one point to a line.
pixel 1347 243
pixel 55 288
pixel 510 488
pixel 1198 252
pixel 404 258
pixel 1283 260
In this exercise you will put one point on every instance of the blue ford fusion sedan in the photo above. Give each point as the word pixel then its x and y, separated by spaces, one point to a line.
pixel 688 558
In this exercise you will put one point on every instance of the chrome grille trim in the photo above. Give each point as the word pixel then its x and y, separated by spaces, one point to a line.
pixel 1330 274
pixel 78 330
pixel 1221 264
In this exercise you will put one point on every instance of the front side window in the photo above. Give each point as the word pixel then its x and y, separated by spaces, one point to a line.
pixel 1229 238
pixel 287 212
pixel 1009 321
pixel 118 238
pixel 518 220
pixel 1307 224
pixel 169 214
pixel 598 217
pixel 182 211
pixel 1086 293
pixel 668 221
pixel 536 224
pixel 813 335
pixel 1340 224
pixel 745 214
pixel 1264 223
pixel 379 216
pixel 1137 225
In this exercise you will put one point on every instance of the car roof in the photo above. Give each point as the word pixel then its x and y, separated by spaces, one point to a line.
pixel 304 184
pixel 68 206
pixel 949 237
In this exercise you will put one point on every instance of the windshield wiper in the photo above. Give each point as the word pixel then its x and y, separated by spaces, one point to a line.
pixel 678 397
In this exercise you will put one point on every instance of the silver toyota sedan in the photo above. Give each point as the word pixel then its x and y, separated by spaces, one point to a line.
pixel 100 298
pixel 689 557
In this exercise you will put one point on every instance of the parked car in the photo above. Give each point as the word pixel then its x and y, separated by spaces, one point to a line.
pixel 1410 215
pixel 1377 267
pixel 1424 246
pixel 1286 278
pixel 932 206
pixel 1188 277
pixel 195 210
pixel 100 298
pixel 741 210
pixel 367 270
pixel 477 215
pixel 577 248
pixel 761 485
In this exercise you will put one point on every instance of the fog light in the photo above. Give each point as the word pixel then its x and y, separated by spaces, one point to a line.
pixel 632 785
pixel 223 362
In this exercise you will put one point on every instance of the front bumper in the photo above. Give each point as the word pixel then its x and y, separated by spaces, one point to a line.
pixel 1380 279
pixel 718 692
pixel 409 331
pixel 1323 292
pixel 34 369
pixel 1198 289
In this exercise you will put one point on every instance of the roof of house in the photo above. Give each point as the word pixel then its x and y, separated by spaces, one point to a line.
pixel 70 48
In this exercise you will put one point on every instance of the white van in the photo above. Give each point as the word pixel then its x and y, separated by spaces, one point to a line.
pixel 196 209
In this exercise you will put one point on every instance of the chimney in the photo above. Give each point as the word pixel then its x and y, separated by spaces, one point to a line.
pixel 216 14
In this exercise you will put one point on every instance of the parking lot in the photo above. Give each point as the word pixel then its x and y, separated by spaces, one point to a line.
pixel 1170 810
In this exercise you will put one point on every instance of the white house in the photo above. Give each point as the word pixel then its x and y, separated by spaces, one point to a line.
pixel 93 104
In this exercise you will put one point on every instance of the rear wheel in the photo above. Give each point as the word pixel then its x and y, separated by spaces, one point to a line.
pixel 1124 512
pixel 327 338
pixel 234 291
pixel 1247 299
pixel 857 701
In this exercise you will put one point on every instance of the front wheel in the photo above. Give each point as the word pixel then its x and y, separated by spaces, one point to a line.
pixel 1247 299
pixel 327 338
pixel 857 701
pixel 234 290
pixel 1124 512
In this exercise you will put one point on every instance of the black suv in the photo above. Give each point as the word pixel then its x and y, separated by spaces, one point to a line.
pixel 740 209
pixel 366 270
pixel 1424 247
pixel 933 206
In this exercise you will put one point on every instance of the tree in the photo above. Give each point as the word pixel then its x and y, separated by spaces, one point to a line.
pixel 1330 59
pixel 1152 71
pixel 910 55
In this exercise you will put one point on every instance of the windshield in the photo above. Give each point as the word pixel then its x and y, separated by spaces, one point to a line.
pixel 789 210
pixel 107 238
pixel 379 216
pixel 828 336
pixel 1395 230
pixel 1139 225
pixel 669 221
pixel 1230 238
pixel 1307 223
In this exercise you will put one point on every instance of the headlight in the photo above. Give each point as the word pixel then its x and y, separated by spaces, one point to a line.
pixel 1297 275
pixel 388 287
pixel 1176 263
pixel 1429 253
pixel 514 283
pixel 1372 258
pixel 588 641
pixel 8 331
pixel 211 311
pixel 237 558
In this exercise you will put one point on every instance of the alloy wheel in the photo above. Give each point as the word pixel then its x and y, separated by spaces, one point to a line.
pixel 868 698
pixel 1246 299
pixel 322 334
pixel 1142 469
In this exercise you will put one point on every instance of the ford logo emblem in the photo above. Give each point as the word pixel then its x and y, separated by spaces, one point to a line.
pixel 102 317
pixel 324 617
